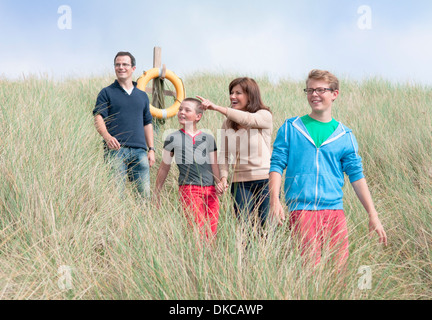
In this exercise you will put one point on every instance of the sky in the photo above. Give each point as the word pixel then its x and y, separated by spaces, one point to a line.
pixel 355 39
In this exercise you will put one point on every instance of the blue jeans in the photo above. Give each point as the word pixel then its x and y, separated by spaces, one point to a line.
pixel 131 163
pixel 251 197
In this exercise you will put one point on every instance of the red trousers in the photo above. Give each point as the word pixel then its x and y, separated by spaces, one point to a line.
pixel 201 207
pixel 321 230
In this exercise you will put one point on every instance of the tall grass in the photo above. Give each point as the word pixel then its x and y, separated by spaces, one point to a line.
pixel 59 207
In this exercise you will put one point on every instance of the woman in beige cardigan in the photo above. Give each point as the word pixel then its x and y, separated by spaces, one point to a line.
pixel 246 145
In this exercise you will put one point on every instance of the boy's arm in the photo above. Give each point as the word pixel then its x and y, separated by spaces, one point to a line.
pixel 216 173
pixel 162 173
pixel 362 191
pixel 261 119
pixel 276 209
pixel 224 156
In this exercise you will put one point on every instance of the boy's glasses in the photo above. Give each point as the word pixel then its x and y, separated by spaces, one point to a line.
pixel 318 90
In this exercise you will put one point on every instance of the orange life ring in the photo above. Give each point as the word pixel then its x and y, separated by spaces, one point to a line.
pixel 176 81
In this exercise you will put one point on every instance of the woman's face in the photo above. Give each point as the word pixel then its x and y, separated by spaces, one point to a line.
pixel 239 99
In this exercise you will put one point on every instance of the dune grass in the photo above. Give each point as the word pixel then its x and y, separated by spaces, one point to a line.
pixel 59 207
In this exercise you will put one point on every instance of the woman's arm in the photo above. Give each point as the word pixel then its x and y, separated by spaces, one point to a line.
pixel 261 119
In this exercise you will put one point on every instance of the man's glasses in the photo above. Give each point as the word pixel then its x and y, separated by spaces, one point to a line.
pixel 124 65
pixel 318 90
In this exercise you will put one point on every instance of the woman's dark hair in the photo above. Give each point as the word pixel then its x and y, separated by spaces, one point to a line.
pixel 251 89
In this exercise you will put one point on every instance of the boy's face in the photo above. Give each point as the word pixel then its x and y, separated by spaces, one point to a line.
pixel 320 103
pixel 187 113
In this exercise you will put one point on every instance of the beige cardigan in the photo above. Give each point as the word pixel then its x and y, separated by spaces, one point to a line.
pixel 248 149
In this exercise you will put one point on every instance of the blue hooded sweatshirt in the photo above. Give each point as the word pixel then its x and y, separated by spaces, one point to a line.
pixel 315 176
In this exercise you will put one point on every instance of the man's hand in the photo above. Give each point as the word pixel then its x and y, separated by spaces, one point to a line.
pixel 101 128
pixel 112 143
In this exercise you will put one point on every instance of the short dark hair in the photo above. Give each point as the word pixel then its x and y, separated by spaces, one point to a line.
pixel 197 103
pixel 125 53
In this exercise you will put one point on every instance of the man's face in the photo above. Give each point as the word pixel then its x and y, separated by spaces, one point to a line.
pixel 123 68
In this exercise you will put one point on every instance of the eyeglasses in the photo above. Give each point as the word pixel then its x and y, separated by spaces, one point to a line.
pixel 119 65
pixel 318 90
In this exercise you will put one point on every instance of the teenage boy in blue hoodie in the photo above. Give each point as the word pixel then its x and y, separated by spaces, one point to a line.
pixel 316 150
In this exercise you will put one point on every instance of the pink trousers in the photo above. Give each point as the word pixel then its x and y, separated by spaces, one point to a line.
pixel 201 208
pixel 323 230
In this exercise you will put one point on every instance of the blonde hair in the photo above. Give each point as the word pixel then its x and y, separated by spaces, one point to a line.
pixel 324 75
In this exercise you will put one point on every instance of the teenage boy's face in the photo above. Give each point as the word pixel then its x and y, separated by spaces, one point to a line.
pixel 320 102
pixel 187 113
pixel 123 68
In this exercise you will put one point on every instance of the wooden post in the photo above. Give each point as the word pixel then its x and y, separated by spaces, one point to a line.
pixel 157 57
pixel 158 100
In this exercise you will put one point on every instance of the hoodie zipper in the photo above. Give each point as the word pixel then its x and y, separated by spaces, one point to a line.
pixel 317 154
pixel 316 161
pixel 317 177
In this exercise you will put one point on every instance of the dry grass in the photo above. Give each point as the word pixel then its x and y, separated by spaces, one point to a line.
pixel 59 208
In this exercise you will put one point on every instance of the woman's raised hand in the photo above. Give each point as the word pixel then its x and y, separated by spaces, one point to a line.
pixel 206 104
